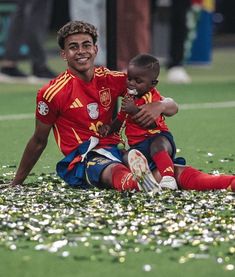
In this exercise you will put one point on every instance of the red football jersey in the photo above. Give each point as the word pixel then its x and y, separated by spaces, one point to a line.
pixel 134 132
pixel 76 108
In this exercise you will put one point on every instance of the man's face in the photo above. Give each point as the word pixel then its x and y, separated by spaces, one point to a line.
pixel 80 52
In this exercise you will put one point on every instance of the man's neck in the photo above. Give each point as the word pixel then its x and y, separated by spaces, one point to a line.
pixel 86 76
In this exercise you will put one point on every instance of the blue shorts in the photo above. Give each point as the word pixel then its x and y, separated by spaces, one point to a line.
pixel 144 148
pixel 96 163
pixel 85 174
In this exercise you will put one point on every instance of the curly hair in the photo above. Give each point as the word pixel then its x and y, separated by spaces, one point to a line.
pixel 76 27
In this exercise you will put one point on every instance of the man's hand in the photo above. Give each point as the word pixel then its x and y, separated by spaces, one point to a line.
pixel 14 184
pixel 9 185
pixel 104 130
pixel 150 112
pixel 146 116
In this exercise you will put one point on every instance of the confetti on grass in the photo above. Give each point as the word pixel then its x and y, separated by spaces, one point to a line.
pixel 56 218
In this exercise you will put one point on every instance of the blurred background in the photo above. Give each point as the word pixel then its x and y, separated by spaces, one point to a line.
pixel 210 24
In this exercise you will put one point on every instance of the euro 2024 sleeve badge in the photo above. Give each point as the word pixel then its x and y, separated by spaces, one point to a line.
pixel 43 108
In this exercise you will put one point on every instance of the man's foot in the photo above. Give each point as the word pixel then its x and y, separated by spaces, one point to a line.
pixel 12 72
pixel 178 75
pixel 141 172
pixel 168 182
pixel 43 72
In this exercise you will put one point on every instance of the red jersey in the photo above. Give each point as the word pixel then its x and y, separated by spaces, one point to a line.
pixel 134 132
pixel 77 108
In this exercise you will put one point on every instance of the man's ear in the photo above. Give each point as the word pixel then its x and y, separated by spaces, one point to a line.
pixel 96 49
pixel 62 54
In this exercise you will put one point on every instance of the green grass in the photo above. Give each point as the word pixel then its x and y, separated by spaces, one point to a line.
pixel 205 137
pixel 27 263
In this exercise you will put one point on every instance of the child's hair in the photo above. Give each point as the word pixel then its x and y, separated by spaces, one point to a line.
pixel 76 27
pixel 147 61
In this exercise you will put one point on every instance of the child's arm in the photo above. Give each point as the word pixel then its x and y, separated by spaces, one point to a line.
pixel 128 105
pixel 115 126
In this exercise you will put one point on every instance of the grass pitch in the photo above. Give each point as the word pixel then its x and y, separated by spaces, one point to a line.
pixel 47 229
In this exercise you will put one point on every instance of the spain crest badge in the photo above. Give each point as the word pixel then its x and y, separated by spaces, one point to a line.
pixel 105 97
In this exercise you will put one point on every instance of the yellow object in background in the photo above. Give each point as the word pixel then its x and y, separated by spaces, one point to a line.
pixel 208 5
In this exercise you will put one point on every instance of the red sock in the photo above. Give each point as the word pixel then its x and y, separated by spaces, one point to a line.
pixel 122 178
pixel 164 163
pixel 193 179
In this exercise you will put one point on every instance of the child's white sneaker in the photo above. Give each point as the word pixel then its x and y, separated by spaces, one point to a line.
pixel 168 182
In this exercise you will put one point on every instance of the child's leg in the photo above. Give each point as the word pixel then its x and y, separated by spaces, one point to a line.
pixel 160 151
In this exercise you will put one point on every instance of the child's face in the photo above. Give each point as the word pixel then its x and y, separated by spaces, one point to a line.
pixel 139 79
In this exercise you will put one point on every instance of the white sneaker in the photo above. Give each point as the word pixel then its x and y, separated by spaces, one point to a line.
pixel 168 182
pixel 178 75
pixel 141 172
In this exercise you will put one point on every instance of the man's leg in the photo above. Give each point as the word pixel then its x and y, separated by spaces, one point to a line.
pixel 189 178
pixel 119 177
pixel 36 31
pixel 138 177
pixel 94 10
pixel 14 40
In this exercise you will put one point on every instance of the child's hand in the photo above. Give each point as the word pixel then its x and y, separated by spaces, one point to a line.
pixel 128 105
pixel 104 130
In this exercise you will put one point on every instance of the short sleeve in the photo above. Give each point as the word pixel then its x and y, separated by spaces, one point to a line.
pixel 46 111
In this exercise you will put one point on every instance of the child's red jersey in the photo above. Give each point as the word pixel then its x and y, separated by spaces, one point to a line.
pixel 134 132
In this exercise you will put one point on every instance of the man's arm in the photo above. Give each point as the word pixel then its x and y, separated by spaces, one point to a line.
pixel 32 152
pixel 150 112
pixel 129 106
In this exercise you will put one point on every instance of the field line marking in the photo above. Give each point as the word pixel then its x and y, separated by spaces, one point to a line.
pixel 16 116
pixel 196 106
pixel 211 105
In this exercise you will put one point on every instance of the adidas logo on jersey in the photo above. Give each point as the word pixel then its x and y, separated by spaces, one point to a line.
pixel 76 104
